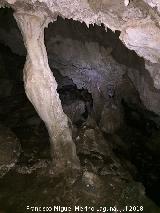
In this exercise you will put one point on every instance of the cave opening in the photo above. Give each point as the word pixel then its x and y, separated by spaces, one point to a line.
pixel 116 136
pixel 77 103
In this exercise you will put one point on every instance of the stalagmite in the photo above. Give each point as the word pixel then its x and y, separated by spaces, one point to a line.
pixel 40 87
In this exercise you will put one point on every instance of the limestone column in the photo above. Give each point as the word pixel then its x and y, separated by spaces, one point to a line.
pixel 41 89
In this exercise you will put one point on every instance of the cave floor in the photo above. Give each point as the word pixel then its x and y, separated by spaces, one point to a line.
pixel 105 180
pixel 19 191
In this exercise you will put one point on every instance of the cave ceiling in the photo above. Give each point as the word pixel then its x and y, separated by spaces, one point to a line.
pixel 138 21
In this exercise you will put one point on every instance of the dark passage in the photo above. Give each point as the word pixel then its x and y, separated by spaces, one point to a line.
pixel 142 139
pixel 76 103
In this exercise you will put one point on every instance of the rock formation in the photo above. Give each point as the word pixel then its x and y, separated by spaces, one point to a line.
pixel 41 87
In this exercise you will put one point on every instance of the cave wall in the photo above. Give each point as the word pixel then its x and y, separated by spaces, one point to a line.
pixel 10 34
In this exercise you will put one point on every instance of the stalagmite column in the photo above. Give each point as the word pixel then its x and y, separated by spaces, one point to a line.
pixel 40 87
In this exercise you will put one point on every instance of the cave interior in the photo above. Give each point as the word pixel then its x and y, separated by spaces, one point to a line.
pixel 117 137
